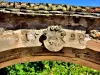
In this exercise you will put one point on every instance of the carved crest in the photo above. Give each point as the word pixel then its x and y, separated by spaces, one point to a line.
pixel 54 38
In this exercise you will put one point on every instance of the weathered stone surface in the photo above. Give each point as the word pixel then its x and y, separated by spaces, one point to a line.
pixel 31 38
pixel 19 38
pixel 8 40
pixel 95 34
pixel 55 38
pixel 84 57
pixel 94 45
pixel 35 32
pixel 76 39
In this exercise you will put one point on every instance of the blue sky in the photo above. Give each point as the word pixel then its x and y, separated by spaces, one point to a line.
pixel 69 2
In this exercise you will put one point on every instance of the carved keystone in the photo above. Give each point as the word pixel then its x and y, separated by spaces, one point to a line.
pixel 54 38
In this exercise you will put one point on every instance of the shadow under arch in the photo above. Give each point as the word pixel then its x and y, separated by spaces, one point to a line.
pixel 84 57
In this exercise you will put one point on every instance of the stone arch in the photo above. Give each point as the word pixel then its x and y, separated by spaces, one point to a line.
pixel 66 40
pixel 84 57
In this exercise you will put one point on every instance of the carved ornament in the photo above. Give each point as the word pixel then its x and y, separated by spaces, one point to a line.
pixel 54 38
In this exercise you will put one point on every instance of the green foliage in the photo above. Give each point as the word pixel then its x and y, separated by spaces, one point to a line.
pixel 50 68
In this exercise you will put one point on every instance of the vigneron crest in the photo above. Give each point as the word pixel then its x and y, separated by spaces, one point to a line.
pixel 54 38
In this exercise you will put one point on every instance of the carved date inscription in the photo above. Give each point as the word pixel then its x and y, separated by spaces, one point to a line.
pixel 33 38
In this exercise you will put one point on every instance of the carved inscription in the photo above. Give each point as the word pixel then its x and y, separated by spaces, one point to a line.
pixel 75 39
pixel 32 38
pixel 54 38
pixel 81 38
